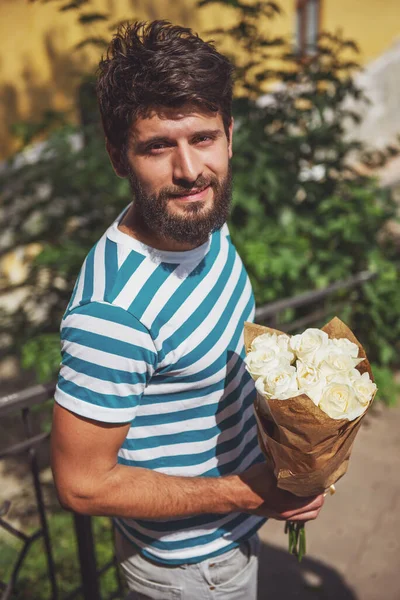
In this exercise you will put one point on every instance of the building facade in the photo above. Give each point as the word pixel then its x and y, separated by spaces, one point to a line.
pixel 40 64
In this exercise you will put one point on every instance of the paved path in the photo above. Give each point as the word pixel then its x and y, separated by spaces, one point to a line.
pixel 354 546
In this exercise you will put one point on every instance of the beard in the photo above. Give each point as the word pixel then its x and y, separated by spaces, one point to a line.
pixel 195 223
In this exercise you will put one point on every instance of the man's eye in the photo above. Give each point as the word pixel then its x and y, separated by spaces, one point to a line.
pixel 203 139
pixel 156 148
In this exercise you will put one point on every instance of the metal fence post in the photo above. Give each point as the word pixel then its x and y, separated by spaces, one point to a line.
pixel 87 557
pixel 26 418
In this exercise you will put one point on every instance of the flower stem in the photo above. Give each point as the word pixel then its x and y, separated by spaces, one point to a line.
pixel 297 539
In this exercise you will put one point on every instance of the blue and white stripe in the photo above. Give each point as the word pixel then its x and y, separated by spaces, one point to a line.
pixel 156 339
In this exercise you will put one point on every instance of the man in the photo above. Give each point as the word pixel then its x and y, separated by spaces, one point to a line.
pixel 153 421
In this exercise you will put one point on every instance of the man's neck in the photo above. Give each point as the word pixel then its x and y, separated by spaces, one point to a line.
pixel 133 226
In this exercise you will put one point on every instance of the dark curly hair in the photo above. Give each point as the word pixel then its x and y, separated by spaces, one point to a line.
pixel 159 64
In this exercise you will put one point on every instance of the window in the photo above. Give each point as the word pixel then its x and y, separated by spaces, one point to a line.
pixel 307 26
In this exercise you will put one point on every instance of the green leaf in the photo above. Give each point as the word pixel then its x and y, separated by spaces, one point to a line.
pixel 73 5
pixel 43 355
pixel 92 18
pixel 388 387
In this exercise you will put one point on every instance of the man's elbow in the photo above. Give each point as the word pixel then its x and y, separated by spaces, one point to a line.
pixel 73 503
pixel 75 499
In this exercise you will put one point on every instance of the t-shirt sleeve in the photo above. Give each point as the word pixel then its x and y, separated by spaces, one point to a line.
pixel 108 358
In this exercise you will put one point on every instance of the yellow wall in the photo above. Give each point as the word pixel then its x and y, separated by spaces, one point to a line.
pixel 39 68
pixel 374 24
pixel 38 64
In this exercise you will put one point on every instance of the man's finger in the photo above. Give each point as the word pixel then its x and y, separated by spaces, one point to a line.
pixel 314 504
pixel 307 516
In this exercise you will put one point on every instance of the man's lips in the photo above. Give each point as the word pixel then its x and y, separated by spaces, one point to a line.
pixel 192 195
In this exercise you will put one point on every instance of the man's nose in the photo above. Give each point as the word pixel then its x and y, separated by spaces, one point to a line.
pixel 187 165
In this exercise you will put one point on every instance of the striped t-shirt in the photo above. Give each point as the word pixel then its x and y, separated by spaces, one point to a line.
pixel 155 338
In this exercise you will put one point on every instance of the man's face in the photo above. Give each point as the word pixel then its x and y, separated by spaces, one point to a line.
pixel 178 168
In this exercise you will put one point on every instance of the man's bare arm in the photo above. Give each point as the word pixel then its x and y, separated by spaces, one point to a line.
pixel 89 480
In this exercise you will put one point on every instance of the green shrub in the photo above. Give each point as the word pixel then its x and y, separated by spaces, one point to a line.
pixel 304 215
pixel 33 580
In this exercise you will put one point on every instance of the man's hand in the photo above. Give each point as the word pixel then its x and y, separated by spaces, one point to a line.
pixel 266 499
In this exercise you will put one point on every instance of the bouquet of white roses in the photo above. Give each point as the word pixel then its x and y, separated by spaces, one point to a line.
pixel 313 390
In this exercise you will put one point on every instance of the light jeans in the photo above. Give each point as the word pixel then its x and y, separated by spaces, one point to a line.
pixel 229 576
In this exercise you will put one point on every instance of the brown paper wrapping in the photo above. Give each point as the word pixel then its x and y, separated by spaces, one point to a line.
pixel 307 450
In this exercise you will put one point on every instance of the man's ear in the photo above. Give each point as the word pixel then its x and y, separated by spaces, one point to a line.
pixel 117 160
pixel 230 138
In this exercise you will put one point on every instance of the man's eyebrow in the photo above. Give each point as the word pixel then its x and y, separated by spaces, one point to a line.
pixel 141 145
pixel 155 139
pixel 211 132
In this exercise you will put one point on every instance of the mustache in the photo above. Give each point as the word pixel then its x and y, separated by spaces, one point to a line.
pixel 200 184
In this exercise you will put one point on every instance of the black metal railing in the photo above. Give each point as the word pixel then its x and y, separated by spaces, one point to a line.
pixel 25 400
pixel 270 312
pixel 89 588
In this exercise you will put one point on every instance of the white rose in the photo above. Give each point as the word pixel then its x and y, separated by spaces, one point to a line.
pixel 259 362
pixel 338 364
pixel 266 340
pixel 308 344
pixel 314 392
pixel 310 381
pixel 307 374
pixel 339 401
pixel 345 346
pixel 279 383
pixel 340 346
pixel 364 388
pixel 283 341
pixel 353 374
pixel 280 343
